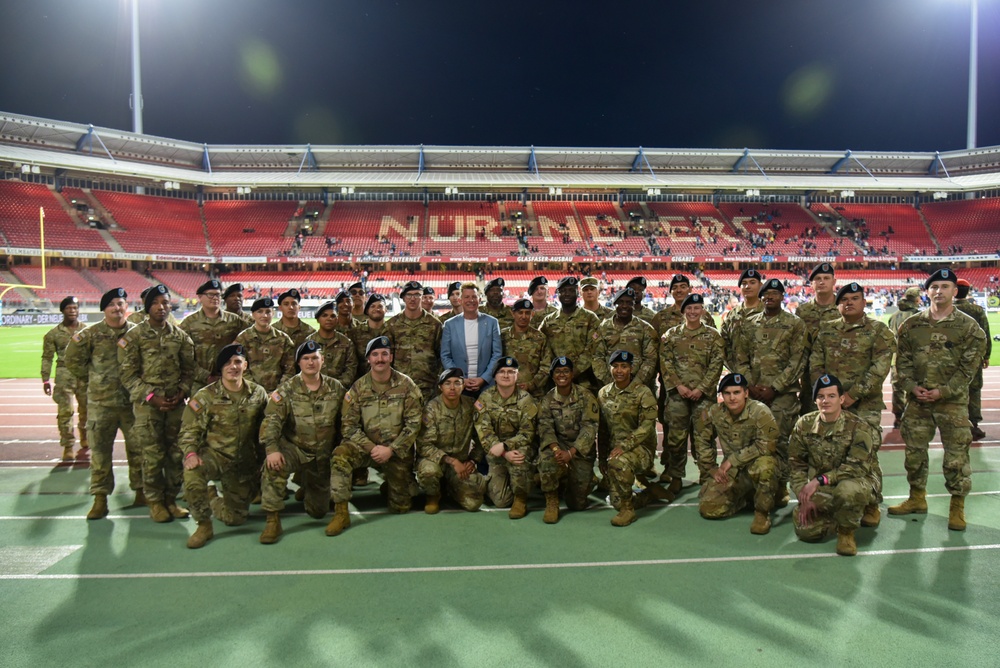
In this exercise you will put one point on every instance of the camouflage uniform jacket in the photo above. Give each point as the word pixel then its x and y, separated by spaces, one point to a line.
pixel 538 317
pixel 503 314
pixel 340 359
pixel 841 450
pixel 942 355
pixel 510 421
pixel 691 357
pixel 92 356
pixel 210 335
pixel 447 432
pixel 671 317
pixel 859 355
pixel 271 355
pixel 297 334
pixel 531 350
pixel 731 327
pixel 139 317
pixel 569 421
pixel 602 312
pixel 449 315
pixel 227 425
pixel 772 351
pixel 364 334
pixel 813 315
pixel 156 360
pixel 630 414
pixel 906 309
pixel 416 348
pixel 976 312
pixel 638 337
pixel 389 416
pixel 307 420
pixel 244 318
pixel 54 345
pixel 643 312
pixel 751 434
pixel 574 336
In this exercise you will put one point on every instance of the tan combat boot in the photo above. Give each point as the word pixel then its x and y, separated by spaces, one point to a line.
pixel 84 443
pixel 519 509
pixel 272 529
pixel 846 547
pixel 67 455
pixel 761 523
pixel 626 513
pixel 551 515
pixel 175 511
pixel 341 519
pixel 433 504
pixel 140 498
pixel 100 508
pixel 201 535
pixel 956 514
pixel 159 512
pixel 917 503
pixel 872 516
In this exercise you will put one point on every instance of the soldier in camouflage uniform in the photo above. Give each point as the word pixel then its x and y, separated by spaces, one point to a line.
pixel 416 340
pixel 505 424
pixel 938 353
pixel 270 353
pixel 750 282
pixel 538 293
pixel 691 358
pixel 158 367
pixel 908 305
pixel 830 454
pixel 747 433
pixel 299 432
pixel 140 315
pixel 590 290
pixel 530 348
pixel 357 293
pixel 623 331
pixel 573 332
pixel 629 408
pixel 218 436
pixel 447 453
pixel 372 326
pixel 211 329
pixel 427 301
pixel 66 386
pixel 455 299
pixel 671 316
pixel 92 357
pixel 382 413
pixel 233 299
pixel 494 305
pixel 821 308
pixel 568 417
pixel 771 354
pixel 977 313
pixel 643 312
pixel 340 360
pixel 290 323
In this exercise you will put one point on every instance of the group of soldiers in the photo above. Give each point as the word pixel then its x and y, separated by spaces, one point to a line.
pixel 576 391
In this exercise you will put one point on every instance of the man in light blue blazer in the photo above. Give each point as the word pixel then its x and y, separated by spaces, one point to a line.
pixel 485 346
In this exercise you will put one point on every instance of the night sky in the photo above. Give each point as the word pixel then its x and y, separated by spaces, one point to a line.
pixel 767 74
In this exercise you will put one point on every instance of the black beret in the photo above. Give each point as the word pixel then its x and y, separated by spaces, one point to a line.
pixel 821 268
pixel 375 297
pixel 153 293
pixel 941 275
pixel 621 356
pixel 235 287
pixel 679 278
pixel 638 280
pixel 263 302
pixel 497 282
pixel 773 284
pixel 293 293
pixel 113 293
pixel 750 273
pixel 827 380
pixel 849 289
pixel 693 298
pixel 307 348
pixel 733 380
pixel 325 306
pixel 378 343
pixel 453 372
pixel 522 305
pixel 66 302
pixel 571 281
pixel 535 282
pixel 626 292
pixel 411 286
pixel 560 363
pixel 142 295
pixel 209 285
pixel 227 353
pixel 428 290
pixel 454 287
pixel 505 363
pixel 353 286
pixel 341 297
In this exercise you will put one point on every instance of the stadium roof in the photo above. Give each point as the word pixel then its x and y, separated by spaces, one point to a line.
pixel 85 149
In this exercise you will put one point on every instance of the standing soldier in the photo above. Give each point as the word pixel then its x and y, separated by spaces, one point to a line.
pixel 427 301
pixel 290 323
pixel 750 282
pixel 771 354
pixel 538 293
pixel 528 346
pixel 671 316
pixel 455 299
pixel 822 307
pixel 691 358
pixel 92 357
pixel 66 386
pixel 505 424
pixel 446 448
pixel 830 454
pixel 211 329
pixel 568 417
pixel 157 367
pixel 590 290
pixel 747 433
pixel 381 422
pixel 299 433
pixel 233 299
pixel 416 340
pixel 625 332
pixel 643 312
pixel 140 315
pixel 908 305
pixel 573 332
pixel 976 312
pixel 270 353
pixel 494 303
pixel 372 326
pixel 219 439
pixel 938 353
pixel 340 360
pixel 357 292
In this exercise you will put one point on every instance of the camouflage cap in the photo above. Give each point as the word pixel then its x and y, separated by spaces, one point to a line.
pixel 590 282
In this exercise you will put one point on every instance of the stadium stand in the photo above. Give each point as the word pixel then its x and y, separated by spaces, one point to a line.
pixel 155 224
pixel 248 228
pixel 60 281
pixel 361 226
pixel 133 282
pixel 19 204
pixel 897 227
pixel 789 228
pixel 970 225
pixel 692 227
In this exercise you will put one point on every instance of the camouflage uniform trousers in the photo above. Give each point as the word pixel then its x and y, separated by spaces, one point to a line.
pixel 506 480
pixel 468 493
pixel 874 418
pixel 917 428
pixel 975 398
pixel 103 423
pixel 398 475
pixel 155 433
pixel 64 390
pixel 785 409
pixel 312 473
pixel 757 483
pixel 233 507
pixel 683 417
pixel 577 478
pixel 623 469
pixel 840 506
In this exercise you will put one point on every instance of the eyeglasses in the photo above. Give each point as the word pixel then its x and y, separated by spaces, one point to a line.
pixel 213 295
pixel 357 292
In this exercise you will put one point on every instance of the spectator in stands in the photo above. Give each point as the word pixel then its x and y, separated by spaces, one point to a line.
pixel 472 343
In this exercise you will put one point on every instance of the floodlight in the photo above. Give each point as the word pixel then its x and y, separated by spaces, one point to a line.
pixel 847 193
pixel 25 169
pixel 35 169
